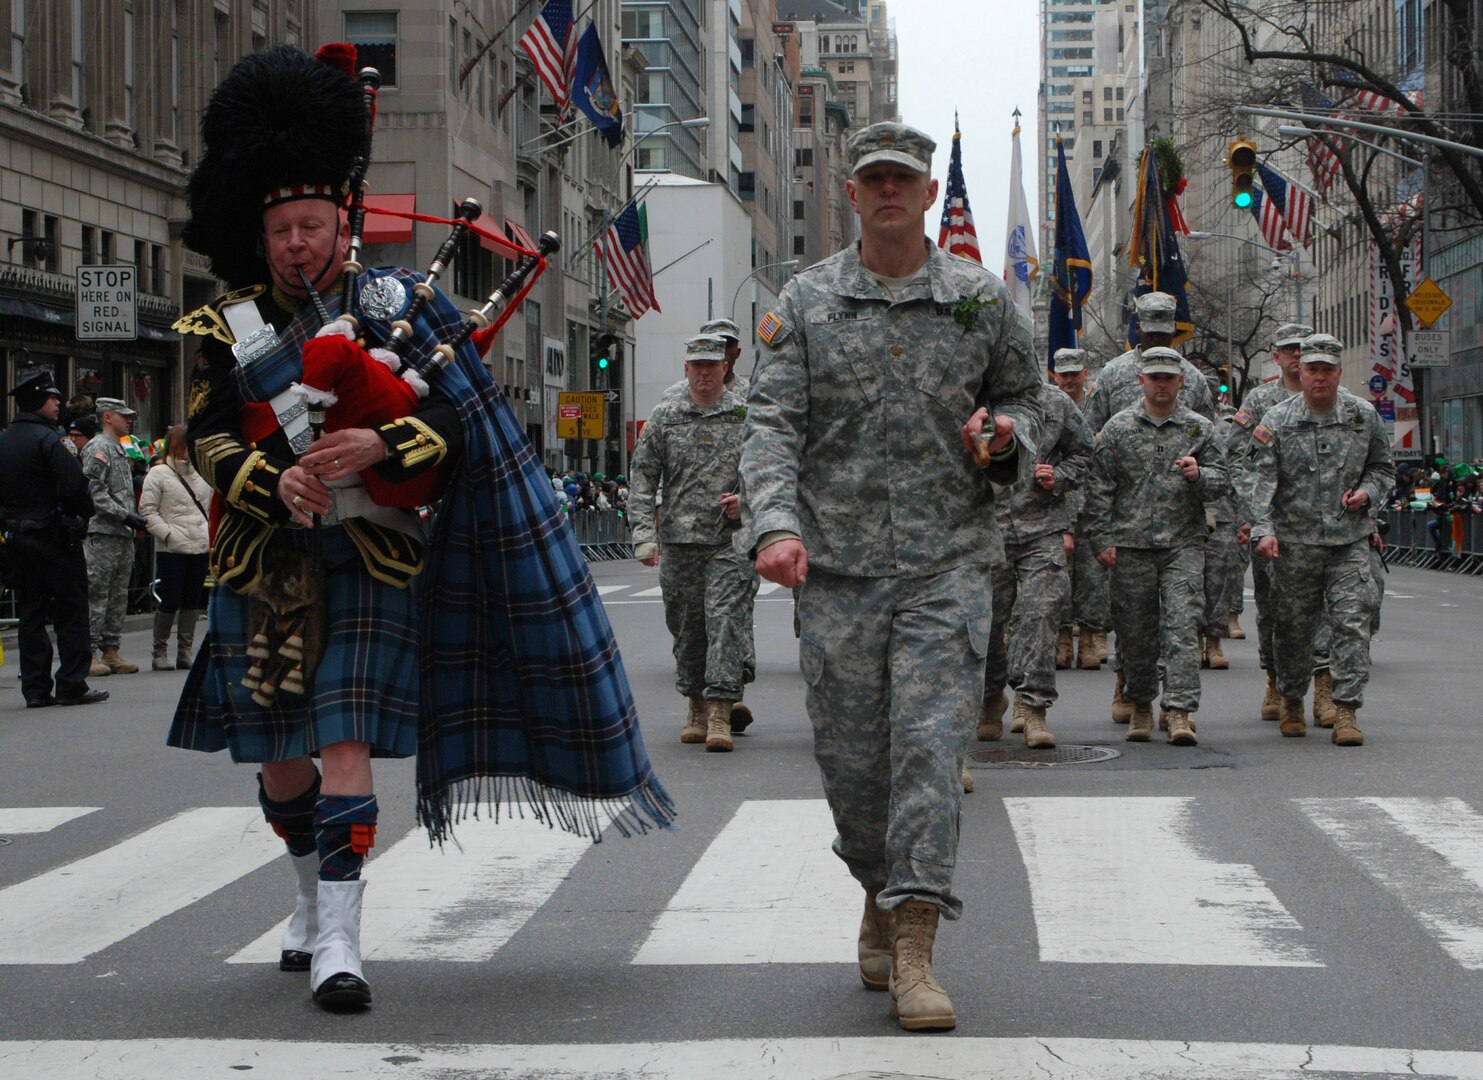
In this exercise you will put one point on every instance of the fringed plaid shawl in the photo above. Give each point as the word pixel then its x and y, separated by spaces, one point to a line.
pixel 525 701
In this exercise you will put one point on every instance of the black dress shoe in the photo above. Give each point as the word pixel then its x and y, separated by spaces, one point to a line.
pixel 294 960
pixel 343 993
pixel 87 697
pixel 41 703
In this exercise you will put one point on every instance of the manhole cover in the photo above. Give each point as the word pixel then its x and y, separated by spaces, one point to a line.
pixel 1024 755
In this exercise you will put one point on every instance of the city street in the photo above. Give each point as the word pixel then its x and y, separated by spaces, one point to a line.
pixel 1251 907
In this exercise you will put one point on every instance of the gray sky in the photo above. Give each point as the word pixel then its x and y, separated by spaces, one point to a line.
pixel 983 60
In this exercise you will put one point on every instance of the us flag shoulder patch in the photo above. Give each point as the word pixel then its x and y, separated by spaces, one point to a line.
pixel 1262 434
pixel 768 328
pixel 1243 418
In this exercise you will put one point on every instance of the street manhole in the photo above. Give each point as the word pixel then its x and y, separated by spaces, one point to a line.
pixel 1001 756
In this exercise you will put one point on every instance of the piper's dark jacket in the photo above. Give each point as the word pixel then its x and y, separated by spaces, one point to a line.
pixel 245 473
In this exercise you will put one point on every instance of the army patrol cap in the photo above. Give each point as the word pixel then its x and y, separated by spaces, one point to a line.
pixel 114 405
pixel 1156 312
pixel 33 391
pixel 1070 361
pixel 1160 361
pixel 890 142
pixel 1291 334
pixel 705 349
pixel 1322 349
pixel 722 328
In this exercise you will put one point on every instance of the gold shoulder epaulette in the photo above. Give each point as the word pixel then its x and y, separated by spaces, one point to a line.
pixel 206 321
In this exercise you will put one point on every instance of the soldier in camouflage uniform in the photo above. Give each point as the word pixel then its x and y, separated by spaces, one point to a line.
pixel 691 446
pixel 879 367
pixel 110 542
pixel 1118 388
pixel 1032 587
pixel 1156 466
pixel 1221 563
pixel 1090 607
pixel 1286 347
pixel 1318 463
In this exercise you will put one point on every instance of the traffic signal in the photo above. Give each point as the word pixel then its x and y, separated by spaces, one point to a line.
pixel 602 361
pixel 1224 372
pixel 1241 157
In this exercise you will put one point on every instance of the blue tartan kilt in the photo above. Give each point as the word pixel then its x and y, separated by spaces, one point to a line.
pixel 365 689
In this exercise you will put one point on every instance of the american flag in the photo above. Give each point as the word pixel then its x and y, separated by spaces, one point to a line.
pixel 1323 155
pixel 624 250
pixel 1297 207
pixel 551 42
pixel 957 234
pixel 1268 214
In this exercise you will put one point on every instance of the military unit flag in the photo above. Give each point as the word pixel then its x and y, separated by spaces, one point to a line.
pixel 592 88
pixel 1020 264
pixel 624 250
pixel 1153 251
pixel 1072 268
pixel 957 233
pixel 551 42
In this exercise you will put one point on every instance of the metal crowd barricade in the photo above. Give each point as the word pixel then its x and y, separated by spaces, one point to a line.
pixel 601 534
pixel 1409 543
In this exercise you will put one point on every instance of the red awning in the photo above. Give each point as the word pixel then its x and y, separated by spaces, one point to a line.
pixel 519 235
pixel 495 240
pixel 384 229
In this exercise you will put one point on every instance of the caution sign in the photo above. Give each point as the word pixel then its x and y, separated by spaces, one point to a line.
pixel 107 303
pixel 581 415
pixel 1428 302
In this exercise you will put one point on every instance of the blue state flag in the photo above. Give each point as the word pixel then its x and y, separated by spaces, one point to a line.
pixel 592 88
pixel 1071 278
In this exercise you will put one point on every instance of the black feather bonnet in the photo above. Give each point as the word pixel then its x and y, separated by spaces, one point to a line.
pixel 280 119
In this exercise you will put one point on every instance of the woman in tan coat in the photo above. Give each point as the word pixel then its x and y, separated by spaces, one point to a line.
pixel 174 502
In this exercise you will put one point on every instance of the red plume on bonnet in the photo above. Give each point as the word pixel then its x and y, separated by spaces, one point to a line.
pixel 339 55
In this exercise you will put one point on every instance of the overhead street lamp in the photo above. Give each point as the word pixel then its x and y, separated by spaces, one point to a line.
pixel 791 264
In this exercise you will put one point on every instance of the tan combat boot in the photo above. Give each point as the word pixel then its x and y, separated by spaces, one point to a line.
pixel 1122 708
pixel 1086 650
pixel 1101 638
pixel 918 1001
pixel 1181 728
pixel 97 668
pixel 117 664
pixel 1063 649
pixel 877 933
pixel 1324 713
pixel 717 725
pixel 1140 723
pixel 1293 726
pixel 1236 633
pixel 1345 733
pixel 1271 699
pixel 1032 721
pixel 991 716
pixel 694 729
pixel 967 781
pixel 1216 655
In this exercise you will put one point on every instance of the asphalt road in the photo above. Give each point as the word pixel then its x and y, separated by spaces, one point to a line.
pixel 1253 906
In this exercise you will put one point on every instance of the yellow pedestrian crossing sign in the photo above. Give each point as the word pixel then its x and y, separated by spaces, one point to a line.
pixel 1428 302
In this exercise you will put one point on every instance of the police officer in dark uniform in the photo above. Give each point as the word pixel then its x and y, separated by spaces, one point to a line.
pixel 45 505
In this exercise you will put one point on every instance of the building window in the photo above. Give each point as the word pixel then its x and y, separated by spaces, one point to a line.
pixel 105 251
pixel 797 209
pixel 141 264
pixel 18 45
pixel 746 186
pixel 803 157
pixel 1106 93
pixel 1106 116
pixel 748 48
pixel 1097 149
pixel 89 244
pixel 1086 117
pixel 157 269
pixel 1086 97
pixel 53 254
pixel 748 116
pixel 1120 92
pixel 800 246
pixel 1119 116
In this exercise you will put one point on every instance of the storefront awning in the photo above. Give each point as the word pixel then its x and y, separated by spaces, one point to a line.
pixel 384 229
pixel 496 241
pixel 18 307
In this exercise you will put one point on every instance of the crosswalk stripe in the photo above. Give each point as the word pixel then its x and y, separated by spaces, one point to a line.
pixel 655 591
pixel 1384 835
pixel 603 590
pixel 15 820
pixel 767 588
pixel 67 914
pixel 1120 881
pixel 454 905
pixel 734 1059
pixel 768 890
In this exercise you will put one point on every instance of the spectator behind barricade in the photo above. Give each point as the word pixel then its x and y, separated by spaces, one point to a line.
pixel 1443 491
pixel 79 433
pixel 174 504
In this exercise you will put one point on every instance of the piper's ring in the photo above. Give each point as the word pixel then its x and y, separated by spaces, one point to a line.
pixel 298 502
pixel 337 464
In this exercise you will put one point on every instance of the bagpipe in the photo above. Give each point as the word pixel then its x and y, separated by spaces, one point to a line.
pixel 352 381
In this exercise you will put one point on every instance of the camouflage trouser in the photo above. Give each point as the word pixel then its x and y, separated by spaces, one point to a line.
pixel 1090 605
pixel 1378 572
pixel 110 562
pixel 1220 567
pixel 894 668
pixel 1261 576
pixel 708 591
pixel 1310 582
pixel 1238 585
pixel 1030 595
pixel 1156 598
